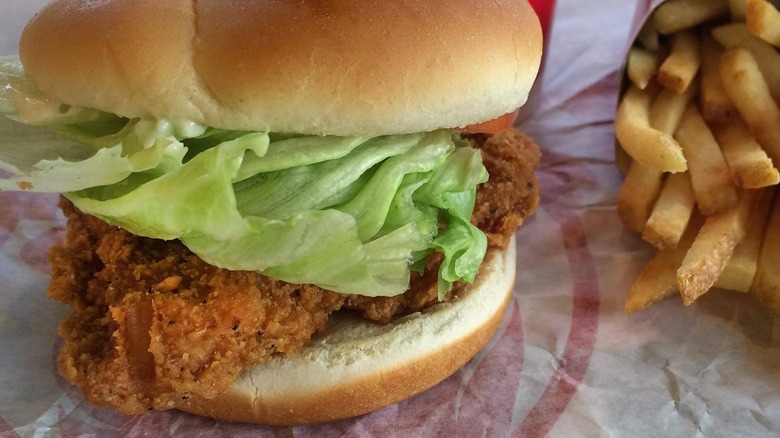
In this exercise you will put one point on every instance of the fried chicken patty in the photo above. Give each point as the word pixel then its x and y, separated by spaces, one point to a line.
pixel 152 323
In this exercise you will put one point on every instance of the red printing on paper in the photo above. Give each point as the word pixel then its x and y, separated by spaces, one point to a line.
pixel 573 364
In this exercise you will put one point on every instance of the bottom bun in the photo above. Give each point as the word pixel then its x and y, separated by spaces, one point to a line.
pixel 355 367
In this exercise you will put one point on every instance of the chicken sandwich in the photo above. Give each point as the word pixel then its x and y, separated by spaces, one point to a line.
pixel 281 212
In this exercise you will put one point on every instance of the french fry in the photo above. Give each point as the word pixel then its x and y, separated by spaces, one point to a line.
pixel 642 66
pixel 668 108
pixel 715 103
pixel 658 279
pixel 767 57
pixel 766 283
pixel 648 37
pixel 750 167
pixel 622 159
pixel 683 62
pixel 750 93
pixel 710 177
pixel 738 9
pixel 723 154
pixel 741 268
pixel 715 244
pixel 671 212
pixel 763 21
pixel 676 15
pixel 637 195
pixel 644 144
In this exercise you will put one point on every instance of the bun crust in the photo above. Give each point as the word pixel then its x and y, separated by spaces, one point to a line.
pixel 356 367
pixel 337 67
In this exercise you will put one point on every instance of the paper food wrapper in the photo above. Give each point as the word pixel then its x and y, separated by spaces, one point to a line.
pixel 566 360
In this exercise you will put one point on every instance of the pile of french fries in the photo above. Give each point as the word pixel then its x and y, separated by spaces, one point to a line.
pixel 698 132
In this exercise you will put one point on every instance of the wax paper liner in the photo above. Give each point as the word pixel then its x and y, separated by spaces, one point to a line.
pixel 565 361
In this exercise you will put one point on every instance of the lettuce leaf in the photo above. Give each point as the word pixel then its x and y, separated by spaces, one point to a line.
pixel 349 214
pixel 39 160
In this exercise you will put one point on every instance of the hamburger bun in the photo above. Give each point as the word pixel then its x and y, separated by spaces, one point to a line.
pixel 357 67
pixel 355 367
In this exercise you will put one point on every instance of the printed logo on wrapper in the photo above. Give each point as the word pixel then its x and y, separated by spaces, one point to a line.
pixel 571 366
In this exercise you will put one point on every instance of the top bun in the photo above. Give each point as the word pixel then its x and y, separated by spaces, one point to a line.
pixel 328 67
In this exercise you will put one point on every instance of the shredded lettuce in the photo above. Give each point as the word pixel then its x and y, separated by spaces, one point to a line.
pixel 352 215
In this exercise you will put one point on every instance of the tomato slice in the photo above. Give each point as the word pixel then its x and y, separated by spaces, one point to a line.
pixel 492 126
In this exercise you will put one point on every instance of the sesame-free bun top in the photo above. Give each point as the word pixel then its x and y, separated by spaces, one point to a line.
pixel 336 67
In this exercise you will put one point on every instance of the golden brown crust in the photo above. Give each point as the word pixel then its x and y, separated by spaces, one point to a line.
pixel 202 325
pixel 354 67
pixel 512 192
pixel 412 362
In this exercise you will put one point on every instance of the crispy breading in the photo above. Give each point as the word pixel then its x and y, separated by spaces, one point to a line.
pixel 153 323
pixel 202 324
